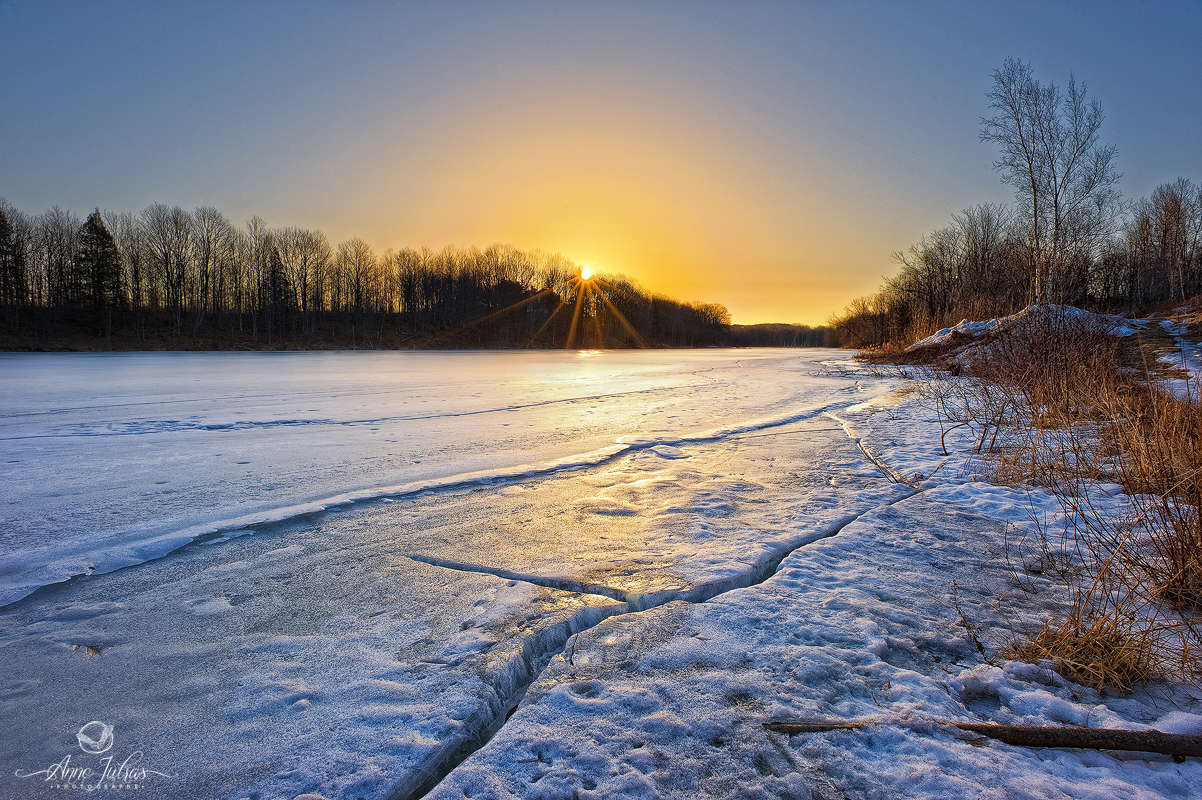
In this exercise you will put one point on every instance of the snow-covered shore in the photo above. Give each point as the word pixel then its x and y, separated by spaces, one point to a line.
pixel 864 625
pixel 359 652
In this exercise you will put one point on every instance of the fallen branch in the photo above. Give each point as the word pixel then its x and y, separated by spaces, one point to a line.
pixel 1170 744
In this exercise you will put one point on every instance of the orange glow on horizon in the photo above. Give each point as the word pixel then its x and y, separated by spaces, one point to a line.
pixel 627 185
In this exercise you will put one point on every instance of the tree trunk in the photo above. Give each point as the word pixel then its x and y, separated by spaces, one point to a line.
pixel 1173 744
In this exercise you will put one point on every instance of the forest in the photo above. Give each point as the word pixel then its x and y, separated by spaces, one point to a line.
pixel 168 278
pixel 1069 238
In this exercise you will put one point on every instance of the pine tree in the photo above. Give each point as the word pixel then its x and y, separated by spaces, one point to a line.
pixel 100 263
pixel 100 266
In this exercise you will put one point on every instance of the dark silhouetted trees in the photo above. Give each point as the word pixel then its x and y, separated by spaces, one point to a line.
pixel 15 235
pixel 99 264
pixel 170 278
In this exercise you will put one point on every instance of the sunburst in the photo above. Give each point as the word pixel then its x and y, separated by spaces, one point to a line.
pixel 590 286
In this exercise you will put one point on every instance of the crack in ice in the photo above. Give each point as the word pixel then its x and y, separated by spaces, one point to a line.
pixel 455 752
pixel 549 582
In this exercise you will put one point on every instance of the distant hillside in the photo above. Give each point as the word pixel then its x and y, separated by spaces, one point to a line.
pixel 779 334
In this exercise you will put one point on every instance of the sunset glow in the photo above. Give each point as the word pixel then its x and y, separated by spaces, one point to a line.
pixel 769 157
pixel 448 398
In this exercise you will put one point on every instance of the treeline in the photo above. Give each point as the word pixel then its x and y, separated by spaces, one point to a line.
pixel 980 267
pixel 1068 239
pixel 779 334
pixel 168 278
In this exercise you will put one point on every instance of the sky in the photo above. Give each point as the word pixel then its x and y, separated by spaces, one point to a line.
pixel 769 156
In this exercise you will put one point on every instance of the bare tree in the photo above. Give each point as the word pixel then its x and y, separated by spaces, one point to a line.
pixel 56 242
pixel 1177 219
pixel 135 258
pixel 214 244
pixel 257 244
pixel 1065 179
pixel 16 242
pixel 170 234
pixel 305 256
pixel 357 267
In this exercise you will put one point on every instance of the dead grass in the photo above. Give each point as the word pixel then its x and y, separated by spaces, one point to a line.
pixel 1158 439
pixel 1054 403
pixel 1102 655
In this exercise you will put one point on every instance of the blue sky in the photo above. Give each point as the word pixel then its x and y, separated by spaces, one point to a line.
pixel 769 156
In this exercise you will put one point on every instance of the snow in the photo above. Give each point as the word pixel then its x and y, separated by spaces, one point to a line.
pixel 973 330
pixel 670 550
pixel 1187 359
pixel 945 335
pixel 126 457
pixel 670 702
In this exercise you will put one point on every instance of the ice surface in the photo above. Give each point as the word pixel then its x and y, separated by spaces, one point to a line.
pixel 866 626
pixel 113 459
pixel 354 622
pixel 346 644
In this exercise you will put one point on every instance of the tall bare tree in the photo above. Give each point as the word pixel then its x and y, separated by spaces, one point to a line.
pixel 357 268
pixel 305 256
pixel 135 259
pixel 170 234
pixel 55 273
pixel 1066 180
pixel 16 240
pixel 213 245
pixel 1176 215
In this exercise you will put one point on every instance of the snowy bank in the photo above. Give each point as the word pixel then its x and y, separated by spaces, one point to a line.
pixel 866 625
pixel 747 554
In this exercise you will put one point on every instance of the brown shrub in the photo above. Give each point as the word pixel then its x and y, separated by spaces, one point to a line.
pixel 1054 405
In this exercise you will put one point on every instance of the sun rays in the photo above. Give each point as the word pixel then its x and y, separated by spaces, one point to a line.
pixel 587 294
pixel 600 311
pixel 592 299
pixel 589 304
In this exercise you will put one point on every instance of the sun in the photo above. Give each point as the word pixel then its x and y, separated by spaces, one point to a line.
pixel 586 273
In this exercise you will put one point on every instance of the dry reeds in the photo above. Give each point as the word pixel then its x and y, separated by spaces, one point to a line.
pixel 1051 404
pixel 1103 655
pixel 1159 441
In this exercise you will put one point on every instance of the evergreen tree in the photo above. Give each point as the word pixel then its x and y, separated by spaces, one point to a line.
pixel 99 263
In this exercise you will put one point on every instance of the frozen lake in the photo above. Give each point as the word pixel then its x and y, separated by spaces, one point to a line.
pixel 334 575
pixel 112 459
pixel 362 541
